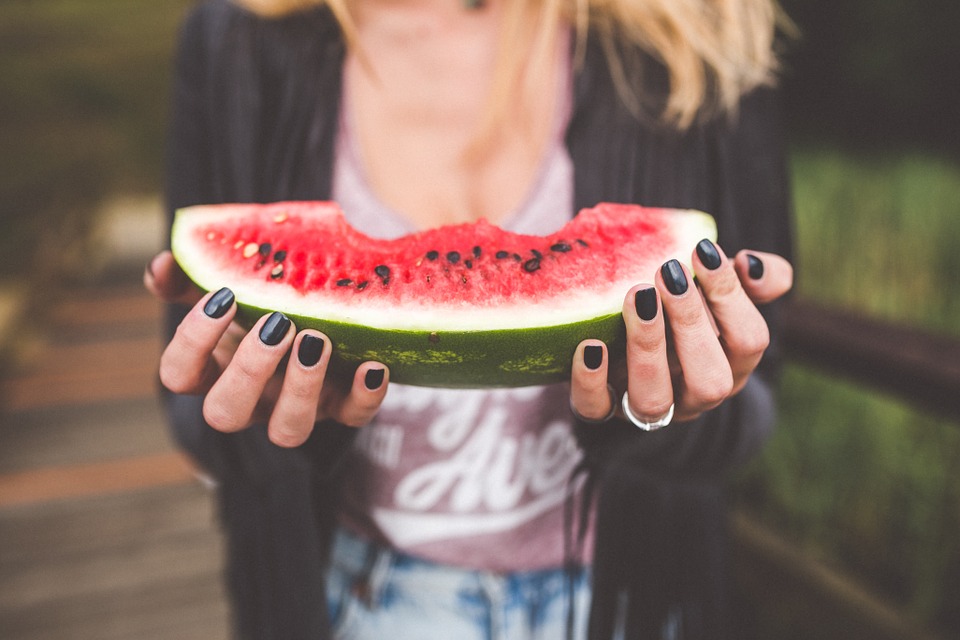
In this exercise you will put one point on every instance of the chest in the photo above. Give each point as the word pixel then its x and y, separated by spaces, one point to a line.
pixel 442 135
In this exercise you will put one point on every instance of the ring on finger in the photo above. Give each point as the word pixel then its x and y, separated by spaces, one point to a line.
pixel 606 418
pixel 641 424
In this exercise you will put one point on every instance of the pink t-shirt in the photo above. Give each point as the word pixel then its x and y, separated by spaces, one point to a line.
pixel 472 478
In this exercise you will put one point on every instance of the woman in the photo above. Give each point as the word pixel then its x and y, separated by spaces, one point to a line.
pixel 415 113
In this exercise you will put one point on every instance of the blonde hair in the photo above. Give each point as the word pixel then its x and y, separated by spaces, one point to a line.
pixel 713 51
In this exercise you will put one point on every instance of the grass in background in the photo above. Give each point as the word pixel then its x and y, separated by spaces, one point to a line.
pixel 858 479
pixel 880 234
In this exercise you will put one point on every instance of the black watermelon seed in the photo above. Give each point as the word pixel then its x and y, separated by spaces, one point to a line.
pixel 280 256
pixel 477 251
pixel 433 255
pixel 277 272
pixel 531 265
pixel 383 271
pixel 502 254
pixel 517 257
pixel 362 285
pixel 561 247
pixel 386 281
pixel 265 249
pixel 453 257
pixel 536 254
pixel 344 282
pixel 582 243
pixel 468 263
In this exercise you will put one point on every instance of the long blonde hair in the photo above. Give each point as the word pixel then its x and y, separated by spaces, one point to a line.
pixel 714 51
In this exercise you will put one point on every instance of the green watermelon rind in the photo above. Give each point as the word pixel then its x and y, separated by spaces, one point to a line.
pixel 460 359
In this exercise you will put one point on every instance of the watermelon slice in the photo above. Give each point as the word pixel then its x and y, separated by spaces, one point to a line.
pixel 467 305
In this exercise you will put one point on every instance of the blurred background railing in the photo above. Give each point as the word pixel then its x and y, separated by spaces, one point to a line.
pixel 846 526
pixel 818 592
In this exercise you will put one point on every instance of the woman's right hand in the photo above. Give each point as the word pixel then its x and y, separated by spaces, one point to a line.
pixel 240 372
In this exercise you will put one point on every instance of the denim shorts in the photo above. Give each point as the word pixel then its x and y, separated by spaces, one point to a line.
pixel 374 593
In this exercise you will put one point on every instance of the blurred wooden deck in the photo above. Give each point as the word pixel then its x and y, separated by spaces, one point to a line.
pixel 105 533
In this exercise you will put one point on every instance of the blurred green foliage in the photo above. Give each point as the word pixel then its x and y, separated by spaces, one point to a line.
pixel 84 88
pixel 878 233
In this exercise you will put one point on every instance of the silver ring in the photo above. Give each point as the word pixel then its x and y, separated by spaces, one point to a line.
pixel 606 418
pixel 646 426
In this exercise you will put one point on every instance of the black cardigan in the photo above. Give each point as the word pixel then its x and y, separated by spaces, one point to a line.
pixel 254 119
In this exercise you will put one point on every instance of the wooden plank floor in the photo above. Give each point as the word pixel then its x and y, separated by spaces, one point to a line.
pixel 105 532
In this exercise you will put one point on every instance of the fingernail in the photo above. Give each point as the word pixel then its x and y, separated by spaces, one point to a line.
pixel 219 303
pixel 274 329
pixel 708 254
pixel 754 266
pixel 310 350
pixel 645 300
pixel 593 356
pixel 373 379
pixel 674 277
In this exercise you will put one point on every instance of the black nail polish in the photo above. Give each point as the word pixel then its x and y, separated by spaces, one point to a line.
pixel 373 379
pixel 274 329
pixel 754 267
pixel 593 356
pixel 708 254
pixel 674 277
pixel 310 350
pixel 645 300
pixel 219 303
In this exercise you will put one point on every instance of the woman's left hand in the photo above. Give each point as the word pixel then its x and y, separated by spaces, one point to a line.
pixel 689 347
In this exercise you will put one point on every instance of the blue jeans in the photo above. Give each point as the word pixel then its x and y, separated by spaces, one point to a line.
pixel 375 593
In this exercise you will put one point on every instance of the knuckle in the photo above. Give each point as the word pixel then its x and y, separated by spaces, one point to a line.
pixel 724 285
pixel 248 371
pixel 191 339
pixel 651 410
pixel 712 390
pixel 300 391
pixel 644 339
pixel 220 418
pixel 688 317
pixel 173 379
pixel 750 343
pixel 287 437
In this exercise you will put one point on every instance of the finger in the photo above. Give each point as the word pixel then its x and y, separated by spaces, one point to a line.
pixel 187 364
pixel 764 276
pixel 295 411
pixel 706 378
pixel 742 328
pixel 164 278
pixel 649 385
pixel 231 401
pixel 367 390
pixel 589 395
